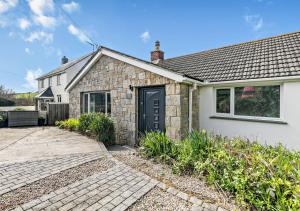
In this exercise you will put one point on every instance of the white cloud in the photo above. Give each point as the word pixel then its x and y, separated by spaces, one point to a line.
pixel 41 36
pixel 45 21
pixel 28 51
pixel 255 21
pixel 41 10
pixel 40 7
pixel 78 33
pixel 71 7
pixel 6 5
pixel 145 36
pixel 23 23
pixel 30 78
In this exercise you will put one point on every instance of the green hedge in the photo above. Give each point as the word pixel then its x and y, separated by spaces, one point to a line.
pixel 97 124
pixel 6 102
pixel 261 177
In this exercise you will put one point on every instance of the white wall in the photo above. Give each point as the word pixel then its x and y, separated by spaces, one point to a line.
pixel 57 89
pixel 270 133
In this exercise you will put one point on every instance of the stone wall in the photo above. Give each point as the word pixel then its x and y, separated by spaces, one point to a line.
pixel 112 75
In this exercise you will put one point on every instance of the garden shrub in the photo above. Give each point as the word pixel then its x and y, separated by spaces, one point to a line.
pixel 3 120
pixel 69 124
pixel 156 144
pixel 260 177
pixel 103 127
pixel 85 122
pixel 192 148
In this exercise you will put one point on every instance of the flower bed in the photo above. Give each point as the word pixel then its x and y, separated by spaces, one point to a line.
pixel 261 177
pixel 93 124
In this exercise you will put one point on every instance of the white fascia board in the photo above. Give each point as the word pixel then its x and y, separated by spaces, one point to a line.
pixel 254 81
pixel 154 69
pixel 84 71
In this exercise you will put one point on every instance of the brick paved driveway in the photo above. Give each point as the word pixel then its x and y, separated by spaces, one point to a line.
pixel 31 154
pixel 115 189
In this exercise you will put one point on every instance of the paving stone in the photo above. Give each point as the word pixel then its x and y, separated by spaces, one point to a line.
pixel 183 195
pixel 172 190
pixel 116 201
pixel 17 175
pixel 196 208
pixel 31 204
pixel 195 200
pixel 210 206
pixel 103 191
pixel 67 206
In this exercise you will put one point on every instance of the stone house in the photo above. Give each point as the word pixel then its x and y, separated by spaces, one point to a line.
pixel 249 90
pixel 122 86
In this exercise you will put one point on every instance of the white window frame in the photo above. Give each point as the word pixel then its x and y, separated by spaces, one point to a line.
pixel 50 81
pixel 42 83
pixel 89 100
pixel 232 100
pixel 58 78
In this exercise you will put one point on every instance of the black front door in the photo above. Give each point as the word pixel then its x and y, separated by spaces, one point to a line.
pixel 152 109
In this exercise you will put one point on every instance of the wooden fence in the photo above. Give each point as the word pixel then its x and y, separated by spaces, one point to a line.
pixel 57 112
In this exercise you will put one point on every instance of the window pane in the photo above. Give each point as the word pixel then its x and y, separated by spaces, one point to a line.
pixel 108 102
pixel 86 103
pixel 97 102
pixel 223 101
pixel 261 101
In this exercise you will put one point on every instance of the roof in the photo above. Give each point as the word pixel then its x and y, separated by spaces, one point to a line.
pixel 46 93
pixel 72 66
pixel 149 66
pixel 277 56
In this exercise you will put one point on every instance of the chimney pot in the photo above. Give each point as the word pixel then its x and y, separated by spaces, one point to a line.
pixel 64 60
pixel 157 55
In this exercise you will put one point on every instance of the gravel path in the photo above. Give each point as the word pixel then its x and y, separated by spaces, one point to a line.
pixel 189 184
pixel 157 199
pixel 53 182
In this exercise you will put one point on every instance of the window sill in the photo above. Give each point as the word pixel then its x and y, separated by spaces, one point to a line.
pixel 249 119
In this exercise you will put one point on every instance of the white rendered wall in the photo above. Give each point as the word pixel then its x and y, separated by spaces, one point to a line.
pixel 265 133
pixel 57 89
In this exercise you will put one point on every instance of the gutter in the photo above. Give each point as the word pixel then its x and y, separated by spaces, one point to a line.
pixel 259 80
pixel 191 90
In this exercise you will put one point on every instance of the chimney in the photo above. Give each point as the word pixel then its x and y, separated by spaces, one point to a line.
pixel 64 60
pixel 157 55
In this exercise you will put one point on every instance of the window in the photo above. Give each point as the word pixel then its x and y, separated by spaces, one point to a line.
pixel 58 80
pixel 42 83
pixel 97 102
pixel 249 101
pixel 261 101
pixel 223 101
pixel 50 81
pixel 59 98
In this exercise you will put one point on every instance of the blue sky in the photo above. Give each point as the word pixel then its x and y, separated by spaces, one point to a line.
pixel 35 34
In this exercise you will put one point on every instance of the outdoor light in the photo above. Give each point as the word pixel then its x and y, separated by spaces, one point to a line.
pixel 131 88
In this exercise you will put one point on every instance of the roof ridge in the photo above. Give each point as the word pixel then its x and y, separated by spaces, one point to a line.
pixel 233 45
pixel 70 63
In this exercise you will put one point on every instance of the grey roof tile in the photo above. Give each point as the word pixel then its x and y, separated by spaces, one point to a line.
pixel 265 58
